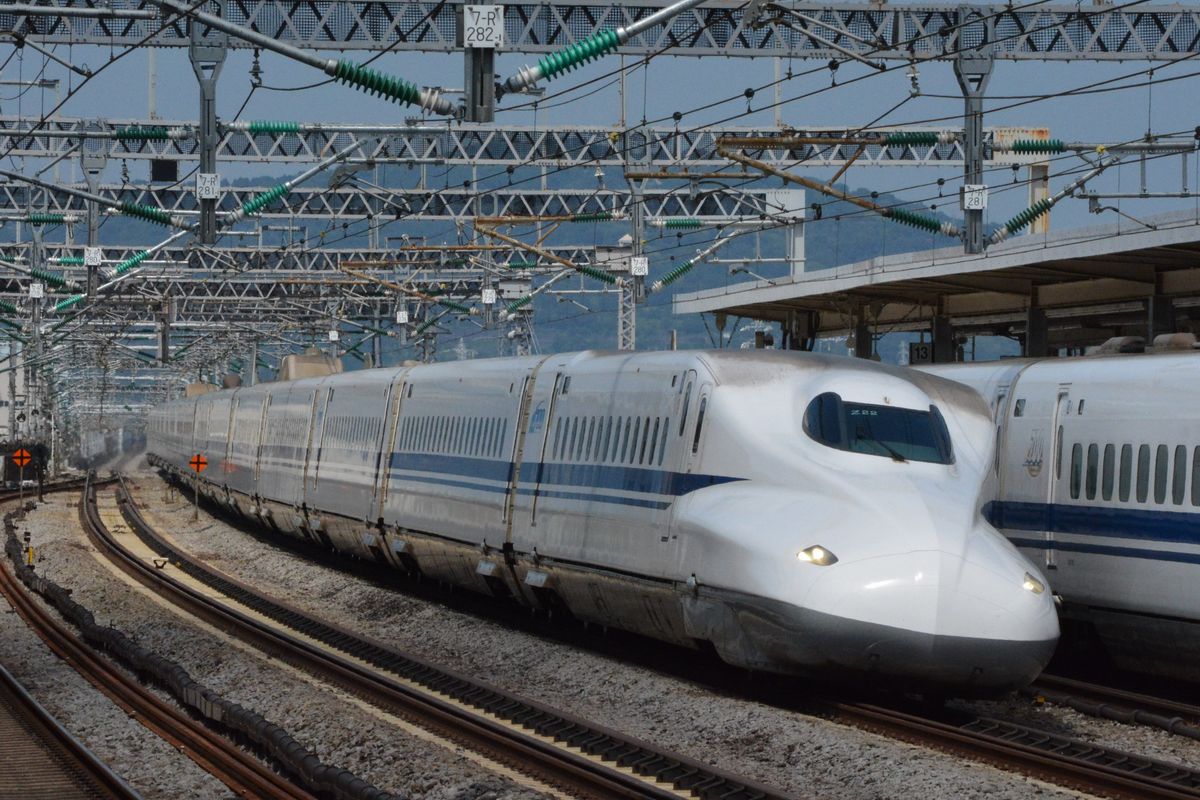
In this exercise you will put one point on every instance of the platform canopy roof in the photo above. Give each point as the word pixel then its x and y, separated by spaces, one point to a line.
pixel 1091 282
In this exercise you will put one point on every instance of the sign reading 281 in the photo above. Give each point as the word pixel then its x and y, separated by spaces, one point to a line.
pixel 483 26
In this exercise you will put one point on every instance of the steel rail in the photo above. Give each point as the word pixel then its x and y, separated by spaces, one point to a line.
pixel 561 749
pixel 1061 760
pixel 1120 705
pixel 46 753
pixel 224 760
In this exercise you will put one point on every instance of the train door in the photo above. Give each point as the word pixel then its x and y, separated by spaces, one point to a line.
pixel 316 437
pixel 387 444
pixel 1055 482
pixel 262 434
pixel 694 443
pixel 541 461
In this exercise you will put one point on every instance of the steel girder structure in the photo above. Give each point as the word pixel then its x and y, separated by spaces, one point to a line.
pixel 724 28
pixel 456 203
pixel 479 145
pixel 207 262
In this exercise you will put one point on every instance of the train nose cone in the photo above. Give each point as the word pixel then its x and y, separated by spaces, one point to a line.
pixel 932 618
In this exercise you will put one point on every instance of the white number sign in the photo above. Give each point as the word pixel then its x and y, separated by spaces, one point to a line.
pixel 334 336
pixel 37 291
pixel 974 197
pixel 92 256
pixel 639 265
pixel 208 186
pixel 401 317
pixel 489 297
pixel 483 26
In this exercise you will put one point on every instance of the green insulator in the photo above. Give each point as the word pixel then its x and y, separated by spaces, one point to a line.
pixel 520 265
pixel 149 213
pixel 1028 215
pixel 455 306
pixel 682 222
pixel 598 274
pixel 263 199
pixel 8 323
pixel 130 263
pixel 579 53
pixel 9 307
pixel 676 273
pixel 69 261
pixel 267 126
pixel 42 218
pixel 1038 146
pixel 914 220
pixel 911 137
pixel 49 277
pixel 424 326
pixel 600 216
pixel 456 262
pixel 520 302
pixel 63 305
pixel 377 83
pixel 154 133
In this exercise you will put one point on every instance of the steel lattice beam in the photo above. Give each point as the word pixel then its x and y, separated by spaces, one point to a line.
pixel 921 31
pixel 482 145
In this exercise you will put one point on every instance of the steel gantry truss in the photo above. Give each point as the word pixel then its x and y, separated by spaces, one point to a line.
pixel 190 305
pixel 725 28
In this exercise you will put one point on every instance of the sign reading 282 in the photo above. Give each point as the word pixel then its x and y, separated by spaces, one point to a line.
pixel 483 26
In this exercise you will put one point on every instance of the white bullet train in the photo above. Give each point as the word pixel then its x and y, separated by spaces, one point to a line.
pixel 804 514
pixel 1098 467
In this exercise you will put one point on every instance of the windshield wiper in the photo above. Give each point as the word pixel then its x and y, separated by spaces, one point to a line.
pixel 895 454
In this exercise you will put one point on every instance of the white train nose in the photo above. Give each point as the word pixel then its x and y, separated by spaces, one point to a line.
pixel 937 618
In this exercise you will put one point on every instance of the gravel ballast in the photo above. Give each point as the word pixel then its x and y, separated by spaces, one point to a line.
pixel 341 733
pixel 798 753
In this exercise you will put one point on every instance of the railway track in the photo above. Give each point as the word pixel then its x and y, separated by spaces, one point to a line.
pixel 238 770
pixel 563 750
pixel 1120 705
pixel 1058 759
pixel 43 761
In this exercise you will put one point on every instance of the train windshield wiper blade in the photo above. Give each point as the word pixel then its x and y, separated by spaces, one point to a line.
pixel 893 452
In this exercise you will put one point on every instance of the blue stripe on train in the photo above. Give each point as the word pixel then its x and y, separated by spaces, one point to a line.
pixel 1167 527
pixel 1176 527
pixel 597 476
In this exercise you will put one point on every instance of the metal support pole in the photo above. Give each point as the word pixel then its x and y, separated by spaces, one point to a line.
pixel 973 68
pixel 1160 317
pixel 479 66
pixel 207 54
pixel 1037 339
pixel 864 343
pixel 93 158
pixel 944 351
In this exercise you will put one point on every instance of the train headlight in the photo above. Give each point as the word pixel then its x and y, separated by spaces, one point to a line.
pixel 817 555
pixel 1032 584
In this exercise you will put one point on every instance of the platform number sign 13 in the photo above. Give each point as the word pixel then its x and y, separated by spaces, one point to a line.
pixel 920 353
pixel 483 26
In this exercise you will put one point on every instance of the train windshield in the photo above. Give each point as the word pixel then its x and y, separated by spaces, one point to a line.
pixel 902 434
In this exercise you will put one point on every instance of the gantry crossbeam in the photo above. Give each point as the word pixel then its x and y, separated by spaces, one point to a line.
pixel 882 31
pixel 482 145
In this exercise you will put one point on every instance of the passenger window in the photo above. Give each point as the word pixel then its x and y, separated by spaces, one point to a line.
pixel 637 434
pixel 574 434
pixel 1179 479
pixel 599 438
pixel 699 424
pixel 654 439
pixel 1196 476
pixel 587 448
pixel 1092 458
pixel 1076 470
pixel 1058 455
pixel 624 440
pixel 687 399
pixel 662 443
pixel 1079 411
pixel 1143 477
pixel 1160 474
pixel 645 438
pixel 554 449
pixel 1019 408
pixel 607 438
pixel 1110 463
